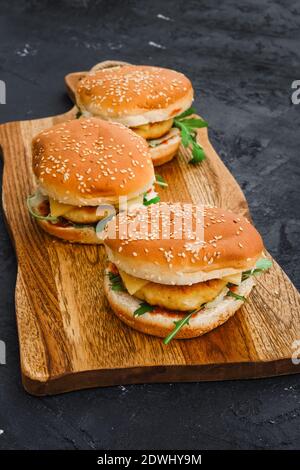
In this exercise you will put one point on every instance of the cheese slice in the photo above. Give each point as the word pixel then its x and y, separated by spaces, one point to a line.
pixel 234 278
pixel 57 208
pixel 132 284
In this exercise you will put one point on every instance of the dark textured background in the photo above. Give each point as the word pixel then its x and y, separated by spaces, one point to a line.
pixel 242 57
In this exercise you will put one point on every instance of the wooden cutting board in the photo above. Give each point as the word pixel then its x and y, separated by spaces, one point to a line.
pixel 70 339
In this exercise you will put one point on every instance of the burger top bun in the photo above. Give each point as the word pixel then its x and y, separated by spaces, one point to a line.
pixel 134 94
pixel 89 161
pixel 182 244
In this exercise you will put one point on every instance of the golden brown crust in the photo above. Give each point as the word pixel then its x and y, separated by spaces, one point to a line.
pixel 134 94
pixel 219 240
pixel 182 298
pixel 154 130
pixel 86 235
pixel 86 161
pixel 160 321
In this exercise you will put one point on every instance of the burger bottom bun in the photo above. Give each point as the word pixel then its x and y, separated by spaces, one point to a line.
pixel 165 152
pixel 85 235
pixel 161 322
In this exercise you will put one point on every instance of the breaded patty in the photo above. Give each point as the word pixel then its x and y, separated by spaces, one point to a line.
pixel 83 215
pixel 153 130
pixel 182 298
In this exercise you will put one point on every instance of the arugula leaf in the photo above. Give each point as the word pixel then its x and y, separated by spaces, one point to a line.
pixel 116 282
pixel 186 113
pixel 189 135
pixel 49 217
pixel 178 325
pixel 160 181
pixel 230 293
pixel 198 154
pixel 154 200
pixel 143 308
pixel 186 138
pixel 262 265
pixel 195 123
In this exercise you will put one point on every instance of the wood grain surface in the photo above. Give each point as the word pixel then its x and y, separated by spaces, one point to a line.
pixel 70 339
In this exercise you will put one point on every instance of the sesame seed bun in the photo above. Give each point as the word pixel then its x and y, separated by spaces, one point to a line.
pixel 88 161
pixel 134 95
pixel 160 322
pixel 218 243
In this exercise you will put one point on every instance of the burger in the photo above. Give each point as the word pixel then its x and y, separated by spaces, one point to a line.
pixel 84 170
pixel 152 101
pixel 177 270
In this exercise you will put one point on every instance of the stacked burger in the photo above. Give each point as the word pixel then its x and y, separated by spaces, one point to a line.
pixel 152 101
pixel 84 170
pixel 184 271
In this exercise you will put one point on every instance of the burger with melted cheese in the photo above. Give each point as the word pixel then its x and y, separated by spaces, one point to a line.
pixel 144 98
pixel 169 282
pixel 82 168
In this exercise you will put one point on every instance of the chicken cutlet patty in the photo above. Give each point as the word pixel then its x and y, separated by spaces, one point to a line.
pixel 154 130
pixel 183 298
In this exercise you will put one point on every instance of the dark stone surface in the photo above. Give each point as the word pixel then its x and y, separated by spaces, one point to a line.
pixel 242 57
